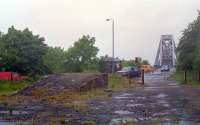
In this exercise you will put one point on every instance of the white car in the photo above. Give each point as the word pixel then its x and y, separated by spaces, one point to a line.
pixel 165 68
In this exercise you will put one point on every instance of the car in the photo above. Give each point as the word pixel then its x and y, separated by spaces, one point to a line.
pixel 165 68
pixel 130 71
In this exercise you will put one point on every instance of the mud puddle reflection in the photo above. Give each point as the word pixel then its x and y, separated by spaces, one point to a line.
pixel 14 123
pixel 145 121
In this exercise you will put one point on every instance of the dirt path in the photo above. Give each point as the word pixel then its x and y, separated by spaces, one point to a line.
pixel 160 102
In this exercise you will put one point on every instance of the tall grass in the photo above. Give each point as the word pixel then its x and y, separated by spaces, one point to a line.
pixel 118 82
pixel 191 77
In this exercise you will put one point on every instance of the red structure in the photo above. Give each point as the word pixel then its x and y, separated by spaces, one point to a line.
pixel 11 76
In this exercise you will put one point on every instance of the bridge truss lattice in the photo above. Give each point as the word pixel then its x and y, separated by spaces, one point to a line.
pixel 166 54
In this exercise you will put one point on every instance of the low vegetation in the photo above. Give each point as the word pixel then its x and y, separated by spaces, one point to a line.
pixel 191 78
pixel 11 86
pixel 147 122
pixel 69 99
pixel 116 82
pixel 137 62
pixel 7 86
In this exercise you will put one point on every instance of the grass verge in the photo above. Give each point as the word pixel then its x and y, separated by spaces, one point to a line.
pixel 116 82
pixel 191 78
pixel 10 86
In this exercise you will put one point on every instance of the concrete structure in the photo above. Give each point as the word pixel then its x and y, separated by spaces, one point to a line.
pixel 166 52
pixel 108 64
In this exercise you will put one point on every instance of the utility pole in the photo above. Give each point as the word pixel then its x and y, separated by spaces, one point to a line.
pixel 113 43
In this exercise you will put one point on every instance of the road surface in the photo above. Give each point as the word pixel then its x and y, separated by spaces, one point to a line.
pixel 160 102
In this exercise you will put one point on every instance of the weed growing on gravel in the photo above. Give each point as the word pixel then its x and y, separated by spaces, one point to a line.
pixel 81 105
pixel 57 120
pixel 75 100
pixel 130 123
pixel 117 82
pixel 150 122
pixel 88 122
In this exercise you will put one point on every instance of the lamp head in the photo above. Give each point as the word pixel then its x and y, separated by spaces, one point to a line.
pixel 108 19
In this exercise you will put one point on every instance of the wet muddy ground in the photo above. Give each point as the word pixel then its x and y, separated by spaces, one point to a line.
pixel 160 102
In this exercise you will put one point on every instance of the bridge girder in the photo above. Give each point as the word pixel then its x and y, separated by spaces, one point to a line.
pixel 166 54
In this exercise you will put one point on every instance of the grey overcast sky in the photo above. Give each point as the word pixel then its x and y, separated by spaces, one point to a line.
pixel 139 23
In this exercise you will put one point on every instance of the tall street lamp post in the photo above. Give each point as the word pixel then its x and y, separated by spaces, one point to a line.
pixel 113 43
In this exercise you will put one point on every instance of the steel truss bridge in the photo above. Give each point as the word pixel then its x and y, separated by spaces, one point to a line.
pixel 166 54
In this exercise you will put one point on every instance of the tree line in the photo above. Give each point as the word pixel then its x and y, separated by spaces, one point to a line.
pixel 188 50
pixel 22 51
pixel 135 62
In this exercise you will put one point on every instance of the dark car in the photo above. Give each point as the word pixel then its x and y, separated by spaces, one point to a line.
pixel 130 71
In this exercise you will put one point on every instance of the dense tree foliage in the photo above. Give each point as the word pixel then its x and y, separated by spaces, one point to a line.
pixel 22 51
pixel 188 50
pixel 126 63
pixel 54 59
pixel 136 62
pixel 145 62
pixel 81 55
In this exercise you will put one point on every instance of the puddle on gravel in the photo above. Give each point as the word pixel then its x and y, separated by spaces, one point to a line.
pixel 173 84
pixel 119 121
pixel 36 107
pixel 14 123
pixel 179 123
pixel 166 105
pixel 134 105
pixel 126 94
pixel 123 112
pixel 123 96
pixel 161 95
pixel 140 97
pixel 15 112
pixel 120 97
pixel 163 102
pixel 160 114
pixel 151 88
